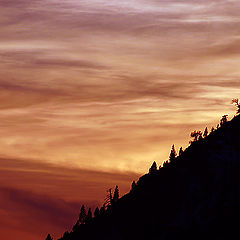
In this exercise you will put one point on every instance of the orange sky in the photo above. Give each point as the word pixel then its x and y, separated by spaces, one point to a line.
pixel 105 87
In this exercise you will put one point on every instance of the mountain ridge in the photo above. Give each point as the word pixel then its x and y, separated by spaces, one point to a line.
pixel 190 197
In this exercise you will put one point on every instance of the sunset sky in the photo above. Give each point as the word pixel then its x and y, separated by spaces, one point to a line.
pixel 93 91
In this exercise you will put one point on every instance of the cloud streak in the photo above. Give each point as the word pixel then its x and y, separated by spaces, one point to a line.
pixel 101 70
pixel 42 198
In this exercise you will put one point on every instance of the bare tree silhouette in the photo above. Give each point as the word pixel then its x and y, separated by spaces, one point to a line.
pixel 223 120
pixel 196 135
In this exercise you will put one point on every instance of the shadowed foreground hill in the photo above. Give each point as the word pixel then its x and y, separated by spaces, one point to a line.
pixel 197 196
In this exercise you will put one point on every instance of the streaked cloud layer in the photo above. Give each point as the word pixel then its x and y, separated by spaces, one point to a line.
pixel 111 85
pixel 37 198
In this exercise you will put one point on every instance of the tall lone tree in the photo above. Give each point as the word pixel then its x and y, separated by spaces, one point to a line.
pixel 82 215
pixel 49 237
pixel 173 154
pixel 153 168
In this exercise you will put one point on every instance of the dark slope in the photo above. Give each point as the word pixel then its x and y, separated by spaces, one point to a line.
pixel 196 197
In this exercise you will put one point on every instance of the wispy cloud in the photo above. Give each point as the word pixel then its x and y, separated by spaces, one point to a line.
pixel 44 198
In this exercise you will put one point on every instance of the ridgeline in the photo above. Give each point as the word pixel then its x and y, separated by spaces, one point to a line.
pixel 195 195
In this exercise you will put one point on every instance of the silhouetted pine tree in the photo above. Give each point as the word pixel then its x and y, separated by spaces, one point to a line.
pixel 165 163
pixel 49 237
pixel 133 185
pixel 153 168
pixel 205 134
pixel 89 216
pixel 82 215
pixel 116 194
pixel 173 155
pixel 102 210
pixel 212 130
pixel 108 198
pixel 180 151
pixel 96 212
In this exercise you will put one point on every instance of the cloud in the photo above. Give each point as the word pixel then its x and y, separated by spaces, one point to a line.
pixel 41 58
pixel 35 214
pixel 38 198
pixel 225 49
pixel 31 174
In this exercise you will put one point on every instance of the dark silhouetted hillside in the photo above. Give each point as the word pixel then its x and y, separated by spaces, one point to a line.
pixel 195 196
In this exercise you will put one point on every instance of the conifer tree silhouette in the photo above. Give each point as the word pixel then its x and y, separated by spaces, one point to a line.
pixel 133 185
pixel 153 168
pixel 49 237
pixel 102 210
pixel 96 212
pixel 165 163
pixel 205 134
pixel 180 151
pixel 108 198
pixel 116 194
pixel 89 216
pixel 82 215
pixel 173 154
